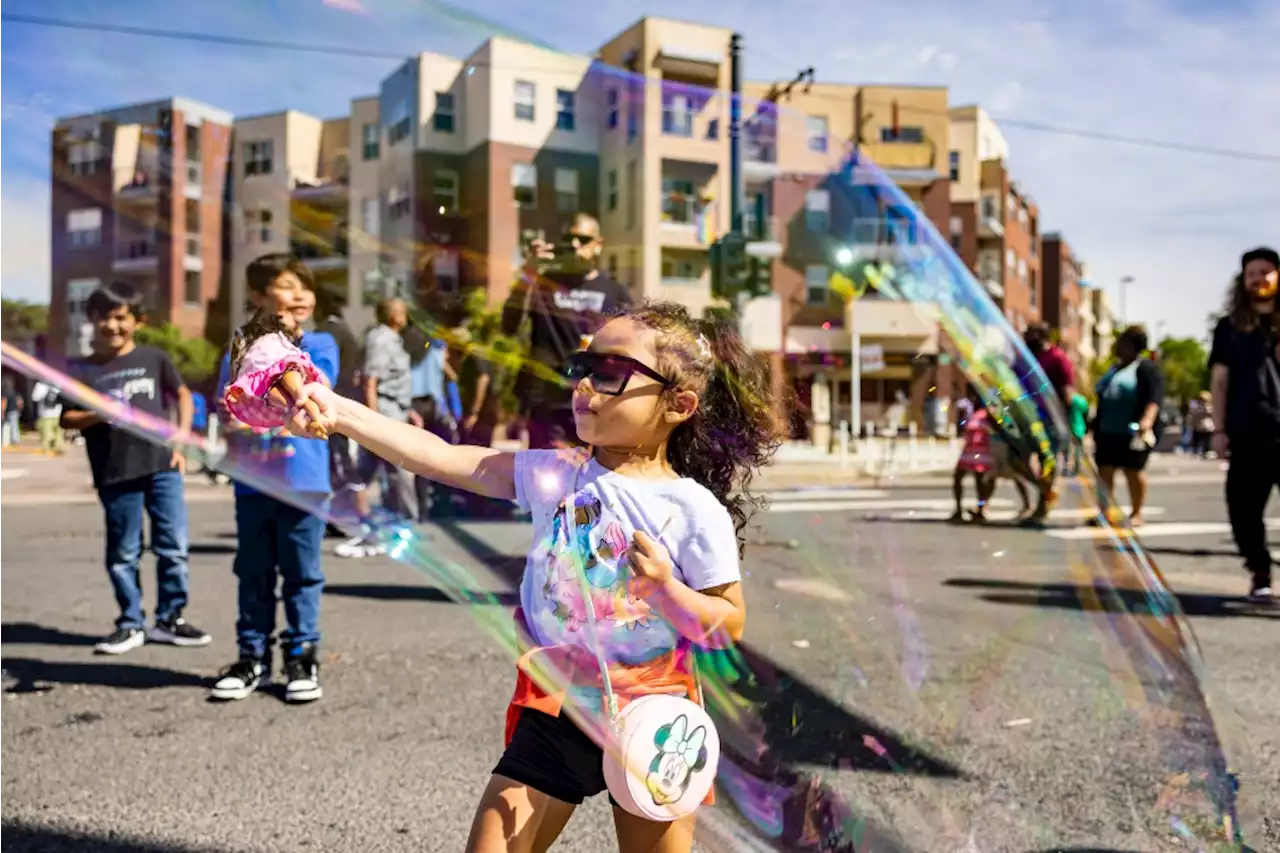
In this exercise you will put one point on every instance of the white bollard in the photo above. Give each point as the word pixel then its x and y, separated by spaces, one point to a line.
pixel 844 444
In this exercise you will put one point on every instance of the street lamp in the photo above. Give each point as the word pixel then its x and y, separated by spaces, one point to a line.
pixel 1124 289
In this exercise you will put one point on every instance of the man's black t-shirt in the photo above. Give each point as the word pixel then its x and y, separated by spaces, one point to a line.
pixel 562 309
pixel 474 365
pixel 146 380
pixel 1245 354
pixel 349 355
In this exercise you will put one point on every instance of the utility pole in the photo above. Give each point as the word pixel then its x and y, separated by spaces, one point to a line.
pixel 735 133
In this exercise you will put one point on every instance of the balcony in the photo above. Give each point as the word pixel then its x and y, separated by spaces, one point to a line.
pixel 907 163
pixel 680 226
pixel 990 223
pixel 992 283
pixel 692 131
pixel 764 238
pixel 690 62
pixel 760 160
pixel 142 187
pixel 883 239
pixel 320 256
pixel 136 254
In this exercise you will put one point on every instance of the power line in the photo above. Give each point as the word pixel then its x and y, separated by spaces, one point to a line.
pixel 338 50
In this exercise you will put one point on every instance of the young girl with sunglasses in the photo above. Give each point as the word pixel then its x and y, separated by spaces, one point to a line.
pixel 677 418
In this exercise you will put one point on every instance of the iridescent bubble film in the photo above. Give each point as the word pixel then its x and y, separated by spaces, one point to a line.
pixel 1058 706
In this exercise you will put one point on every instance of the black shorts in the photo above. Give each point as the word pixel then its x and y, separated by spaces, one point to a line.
pixel 552 755
pixel 1113 451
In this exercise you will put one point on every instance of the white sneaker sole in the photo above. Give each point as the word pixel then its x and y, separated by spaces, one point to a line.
pixel 134 642
pixel 311 694
pixel 160 635
pixel 234 694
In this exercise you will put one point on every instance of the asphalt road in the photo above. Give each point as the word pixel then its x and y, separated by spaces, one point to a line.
pixel 945 684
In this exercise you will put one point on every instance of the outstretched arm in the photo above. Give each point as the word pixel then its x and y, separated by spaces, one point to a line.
pixel 482 470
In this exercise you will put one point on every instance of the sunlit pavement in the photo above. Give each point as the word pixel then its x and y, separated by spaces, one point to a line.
pixel 884 614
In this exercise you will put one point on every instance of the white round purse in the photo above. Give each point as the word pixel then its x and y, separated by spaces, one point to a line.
pixel 661 758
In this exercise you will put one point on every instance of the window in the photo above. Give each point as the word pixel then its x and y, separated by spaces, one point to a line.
pixel 679 270
pixel 371 139
pixel 78 292
pixel 445 267
pixel 84 227
pixel 902 134
pixel 258 157
pixel 369 216
pixel 611 184
pixel 1034 287
pixel 192 292
pixel 398 202
pixel 526 97
pixel 1011 206
pixel 816 284
pixel 444 191
pixel 611 99
pixel 1010 261
pixel 633 121
pixel 955 165
pixel 816 130
pixel 442 121
pixel 817 211
pixel 257 226
pixel 83 157
pixel 632 196
pixel 713 129
pixel 564 109
pixel 399 124
pixel 677 114
pixel 524 184
pixel 1022 269
pixel 1022 216
pixel 193 143
pixel 566 190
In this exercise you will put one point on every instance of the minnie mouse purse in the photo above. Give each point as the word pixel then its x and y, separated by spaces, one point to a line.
pixel 663 750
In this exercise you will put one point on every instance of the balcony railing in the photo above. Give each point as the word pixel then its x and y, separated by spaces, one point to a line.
pixel 680 210
pixel 900 155
pixel 139 249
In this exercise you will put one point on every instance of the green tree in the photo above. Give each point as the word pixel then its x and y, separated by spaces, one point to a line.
pixel 195 358
pixel 1186 367
pixel 22 321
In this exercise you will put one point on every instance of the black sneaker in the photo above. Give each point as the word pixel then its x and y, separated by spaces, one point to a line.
pixel 302 676
pixel 177 631
pixel 1260 590
pixel 241 679
pixel 121 640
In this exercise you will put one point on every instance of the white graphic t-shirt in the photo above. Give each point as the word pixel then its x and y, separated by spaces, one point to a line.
pixel 696 528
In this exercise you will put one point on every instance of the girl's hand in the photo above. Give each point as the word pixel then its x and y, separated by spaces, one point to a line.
pixel 322 413
pixel 651 564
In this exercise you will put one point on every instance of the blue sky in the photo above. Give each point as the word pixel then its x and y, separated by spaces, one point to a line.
pixel 1193 71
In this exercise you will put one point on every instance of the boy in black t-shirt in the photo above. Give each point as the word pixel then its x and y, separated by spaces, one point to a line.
pixel 132 474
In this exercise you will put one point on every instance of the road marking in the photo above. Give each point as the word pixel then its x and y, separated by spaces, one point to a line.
pixel 870 505
pixel 1064 513
pixel 1153 531
pixel 824 494
pixel 11 473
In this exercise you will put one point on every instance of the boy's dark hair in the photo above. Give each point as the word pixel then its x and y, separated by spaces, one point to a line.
pixel 116 295
pixel 261 272
pixel 1136 337
pixel 735 430
pixel 261 323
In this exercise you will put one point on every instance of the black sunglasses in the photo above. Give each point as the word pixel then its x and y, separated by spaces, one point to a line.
pixel 609 373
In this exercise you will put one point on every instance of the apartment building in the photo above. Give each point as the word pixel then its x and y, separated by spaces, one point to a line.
pixel 299 184
pixel 1102 333
pixel 137 196
pixel 994 224
pixel 1063 295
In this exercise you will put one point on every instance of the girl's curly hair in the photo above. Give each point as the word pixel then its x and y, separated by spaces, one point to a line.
pixel 736 429
pixel 260 324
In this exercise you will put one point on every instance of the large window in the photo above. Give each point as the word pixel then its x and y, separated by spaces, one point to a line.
pixel 83 157
pixel 258 157
pixel 84 227
pixel 526 98
pixel 399 124
pixel 677 114
pixel 565 118
pixel 816 284
pixel 444 190
pixel 567 191
pixel 191 290
pixel 955 165
pixel 257 226
pixel 524 184
pixel 371 140
pixel 443 120
pixel 611 103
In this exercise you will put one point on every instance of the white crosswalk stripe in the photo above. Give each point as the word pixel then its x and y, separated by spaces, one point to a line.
pixel 1155 531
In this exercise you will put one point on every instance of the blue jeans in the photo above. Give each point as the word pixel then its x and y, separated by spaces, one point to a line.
pixel 161 495
pixel 275 538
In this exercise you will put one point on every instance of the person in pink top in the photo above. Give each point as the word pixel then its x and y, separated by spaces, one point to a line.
pixel 269 369
pixel 975 459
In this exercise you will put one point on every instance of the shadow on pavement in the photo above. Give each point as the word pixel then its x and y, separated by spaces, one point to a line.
pixel 31 634
pixel 401 592
pixel 508 568
pixel 30 674
pixel 24 838
pixel 1066 596
pixel 1230 553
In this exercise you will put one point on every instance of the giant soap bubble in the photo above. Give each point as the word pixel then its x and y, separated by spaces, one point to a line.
pixel 901 686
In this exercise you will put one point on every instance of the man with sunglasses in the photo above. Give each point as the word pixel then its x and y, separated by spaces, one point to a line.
pixel 566 297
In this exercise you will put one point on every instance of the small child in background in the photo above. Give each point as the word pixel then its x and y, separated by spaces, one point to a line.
pixel 275 539
pixel 976 461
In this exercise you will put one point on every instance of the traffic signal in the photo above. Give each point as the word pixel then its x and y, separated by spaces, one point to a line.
pixel 729 265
